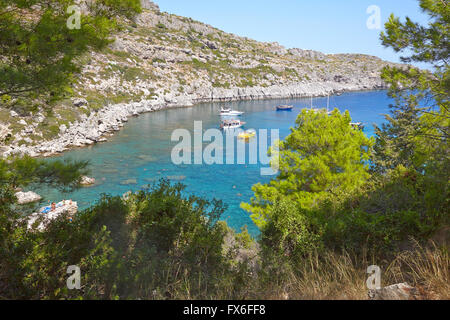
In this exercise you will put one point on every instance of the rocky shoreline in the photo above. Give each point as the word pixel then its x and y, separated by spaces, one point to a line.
pixel 162 61
pixel 99 125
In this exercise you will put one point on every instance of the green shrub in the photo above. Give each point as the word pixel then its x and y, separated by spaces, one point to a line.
pixel 155 245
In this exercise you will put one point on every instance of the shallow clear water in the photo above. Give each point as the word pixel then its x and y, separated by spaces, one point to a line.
pixel 140 153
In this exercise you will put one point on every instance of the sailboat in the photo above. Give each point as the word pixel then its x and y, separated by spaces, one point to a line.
pixel 327 110
pixel 328 106
pixel 356 125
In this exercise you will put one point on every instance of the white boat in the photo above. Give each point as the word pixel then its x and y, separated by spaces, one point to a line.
pixel 229 112
pixel 231 124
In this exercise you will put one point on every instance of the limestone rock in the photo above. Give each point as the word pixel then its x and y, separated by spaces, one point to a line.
pixel 278 49
pixel 401 291
pixel 5 132
pixel 87 181
pixel 150 5
pixel 27 197
pixel 307 54
pixel 80 102
pixel 63 128
pixel 45 216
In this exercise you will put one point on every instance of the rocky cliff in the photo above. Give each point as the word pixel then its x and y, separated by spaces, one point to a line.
pixel 161 60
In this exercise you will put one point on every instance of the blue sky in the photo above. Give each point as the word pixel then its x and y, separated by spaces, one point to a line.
pixel 330 26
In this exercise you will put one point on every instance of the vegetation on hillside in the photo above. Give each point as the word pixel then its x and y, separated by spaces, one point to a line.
pixel 38 49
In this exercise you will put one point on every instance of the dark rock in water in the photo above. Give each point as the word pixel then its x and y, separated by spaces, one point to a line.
pixel 146 158
pixel 176 178
pixel 109 170
pixel 128 182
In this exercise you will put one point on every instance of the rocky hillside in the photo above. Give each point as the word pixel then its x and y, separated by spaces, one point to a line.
pixel 162 60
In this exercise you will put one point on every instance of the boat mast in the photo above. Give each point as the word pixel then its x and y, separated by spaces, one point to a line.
pixel 328 102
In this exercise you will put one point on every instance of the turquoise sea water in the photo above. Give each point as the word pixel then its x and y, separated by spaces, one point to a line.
pixel 140 153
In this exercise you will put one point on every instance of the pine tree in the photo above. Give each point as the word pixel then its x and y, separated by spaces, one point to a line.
pixel 322 155
pixel 39 42
pixel 417 131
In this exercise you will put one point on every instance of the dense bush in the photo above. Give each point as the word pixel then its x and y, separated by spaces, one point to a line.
pixel 154 245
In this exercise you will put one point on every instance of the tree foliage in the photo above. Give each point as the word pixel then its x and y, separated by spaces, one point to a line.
pixel 20 172
pixel 323 154
pixel 418 130
pixel 38 50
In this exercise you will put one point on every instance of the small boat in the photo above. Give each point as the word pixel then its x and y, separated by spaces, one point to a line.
pixel 229 112
pixel 284 108
pixel 231 124
pixel 246 135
